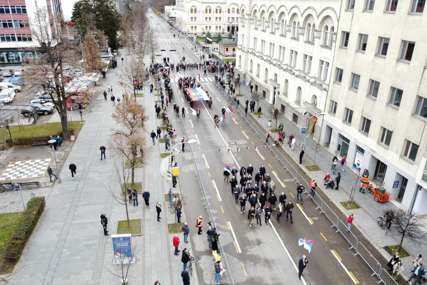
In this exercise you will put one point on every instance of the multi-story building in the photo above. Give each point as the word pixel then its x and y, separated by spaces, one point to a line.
pixel 208 16
pixel 285 51
pixel 18 20
pixel 376 113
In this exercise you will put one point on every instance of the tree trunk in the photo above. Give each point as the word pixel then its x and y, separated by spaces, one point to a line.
pixel 126 207
pixel 64 124
pixel 401 241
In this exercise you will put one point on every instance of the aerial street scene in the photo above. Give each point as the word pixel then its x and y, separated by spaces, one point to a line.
pixel 207 142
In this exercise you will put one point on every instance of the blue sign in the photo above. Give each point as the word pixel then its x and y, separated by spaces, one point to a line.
pixel 303 130
pixel 122 245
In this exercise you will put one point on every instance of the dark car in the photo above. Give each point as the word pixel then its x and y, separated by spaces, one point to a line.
pixel 39 109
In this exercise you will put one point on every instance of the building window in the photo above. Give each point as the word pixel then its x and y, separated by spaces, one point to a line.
pixel 307 63
pixel 325 35
pixel 345 37
pixel 369 5
pixel 350 5
pixel 333 107
pixel 410 150
pixel 385 136
pixel 338 74
pixel 298 96
pixel 383 44
pixel 348 116
pixel 365 126
pixel 418 6
pixel 406 50
pixel 421 109
pixel 257 70
pixel 395 96
pixel 374 87
pixel 355 80
pixel 391 5
pixel 363 42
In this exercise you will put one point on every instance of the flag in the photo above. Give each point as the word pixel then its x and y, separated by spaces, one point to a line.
pixel 307 244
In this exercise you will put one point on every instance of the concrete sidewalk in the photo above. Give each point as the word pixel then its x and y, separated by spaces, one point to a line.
pixel 366 215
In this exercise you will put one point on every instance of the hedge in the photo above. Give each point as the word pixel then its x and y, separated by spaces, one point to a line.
pixel 25 227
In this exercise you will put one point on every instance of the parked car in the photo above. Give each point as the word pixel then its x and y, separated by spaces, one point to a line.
pixel 45 102
pixel 7 85
pixel 7 96
pixel 28 111
pixel 42 109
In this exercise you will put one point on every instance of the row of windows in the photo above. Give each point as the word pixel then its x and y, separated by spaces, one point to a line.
pixel 395 94
pixel 218 10
pixel 410 149
pixel 217 19
pixel 391 6
pixel 13 10
pixel 406 47
pixel 217 28
pixel 13 24
pixel 15 38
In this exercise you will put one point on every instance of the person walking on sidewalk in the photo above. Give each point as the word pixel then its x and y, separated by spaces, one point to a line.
pixel 199 225
pixel 342 161
pixel 135 197
pixel 313 186
pixel 218 272
pixel 337 181
pixel 293 142
pixel 185 258
pixel 183 144
pixel 178 215
pixel 301 155
pixel 186 232
pixel 350 221
pixel 153 137
pixel 158 210
pixel 51 174
pixel 175 242
pixel 258 213
pixel 105 95
pixel 73 169
pixel 334 164
pixel 302 264
pixel 289 208
pixel 185 277
pixel 102 149
pixel 146 196
pixel 104 224
pixel 300 193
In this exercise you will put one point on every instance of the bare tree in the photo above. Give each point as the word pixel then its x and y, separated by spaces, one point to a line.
pixel 92 58
pixel 408 226
pixel 129 141
pixel 47 69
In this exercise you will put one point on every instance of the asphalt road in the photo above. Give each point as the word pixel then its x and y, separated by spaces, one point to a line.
pixel 263 255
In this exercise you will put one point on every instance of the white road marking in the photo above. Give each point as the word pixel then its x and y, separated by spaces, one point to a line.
pixel 197 138
pixel 286 251
pixel 217 191
pixel 259 153
pixel 349 273
pixel 245 135
pixel 236 243
pixel 310 221
pixel 278 179
pixel 205 160
pixel 191 123
pixel 234 120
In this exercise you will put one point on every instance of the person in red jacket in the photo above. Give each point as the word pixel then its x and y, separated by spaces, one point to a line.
pixel 175 243
pixel 350 221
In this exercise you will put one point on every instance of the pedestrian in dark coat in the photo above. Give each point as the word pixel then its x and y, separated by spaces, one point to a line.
pixel 337 181
pixel 153 137
pixel 146 196
pixel 104 223
pixel 301 155
pixel 302 264
pixel 158 210
pixel 185 277
pixel 73 169
pixel 135 197
pixel 51 174
pixel 102 149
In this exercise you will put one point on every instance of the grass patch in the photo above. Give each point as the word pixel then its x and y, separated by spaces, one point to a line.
pixel 350 205
pixel 161 140
pixel 392 249
pixel 258 114
pixel 134 227
pixel 175 228
pixel 139 95
pixel 38 131
pixel 229 60
pixel 8 225
pixel 313 167
pixel 164 154
pixel 138 163
pixel 137 186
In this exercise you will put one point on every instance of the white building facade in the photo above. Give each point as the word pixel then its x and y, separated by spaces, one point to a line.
pixel 376 112
pixel 285 50
pixel 208 16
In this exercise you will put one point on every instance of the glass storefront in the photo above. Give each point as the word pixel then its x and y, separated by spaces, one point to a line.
pixel 15 57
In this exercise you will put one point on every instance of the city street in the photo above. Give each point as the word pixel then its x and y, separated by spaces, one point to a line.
pixel 265 255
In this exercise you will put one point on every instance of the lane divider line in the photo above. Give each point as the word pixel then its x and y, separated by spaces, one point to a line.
pixel 243 269
pixel 349 273
pixel 245 135
pixel 191 123
pixel 197 138
pixel 310 221
pixel 217 191
pixel 236 243
pixel 323 236
pixel 278 179
pixel 205 160
pixel 222 209
pixel 286 250
pixel 234 120
pixel 259 153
